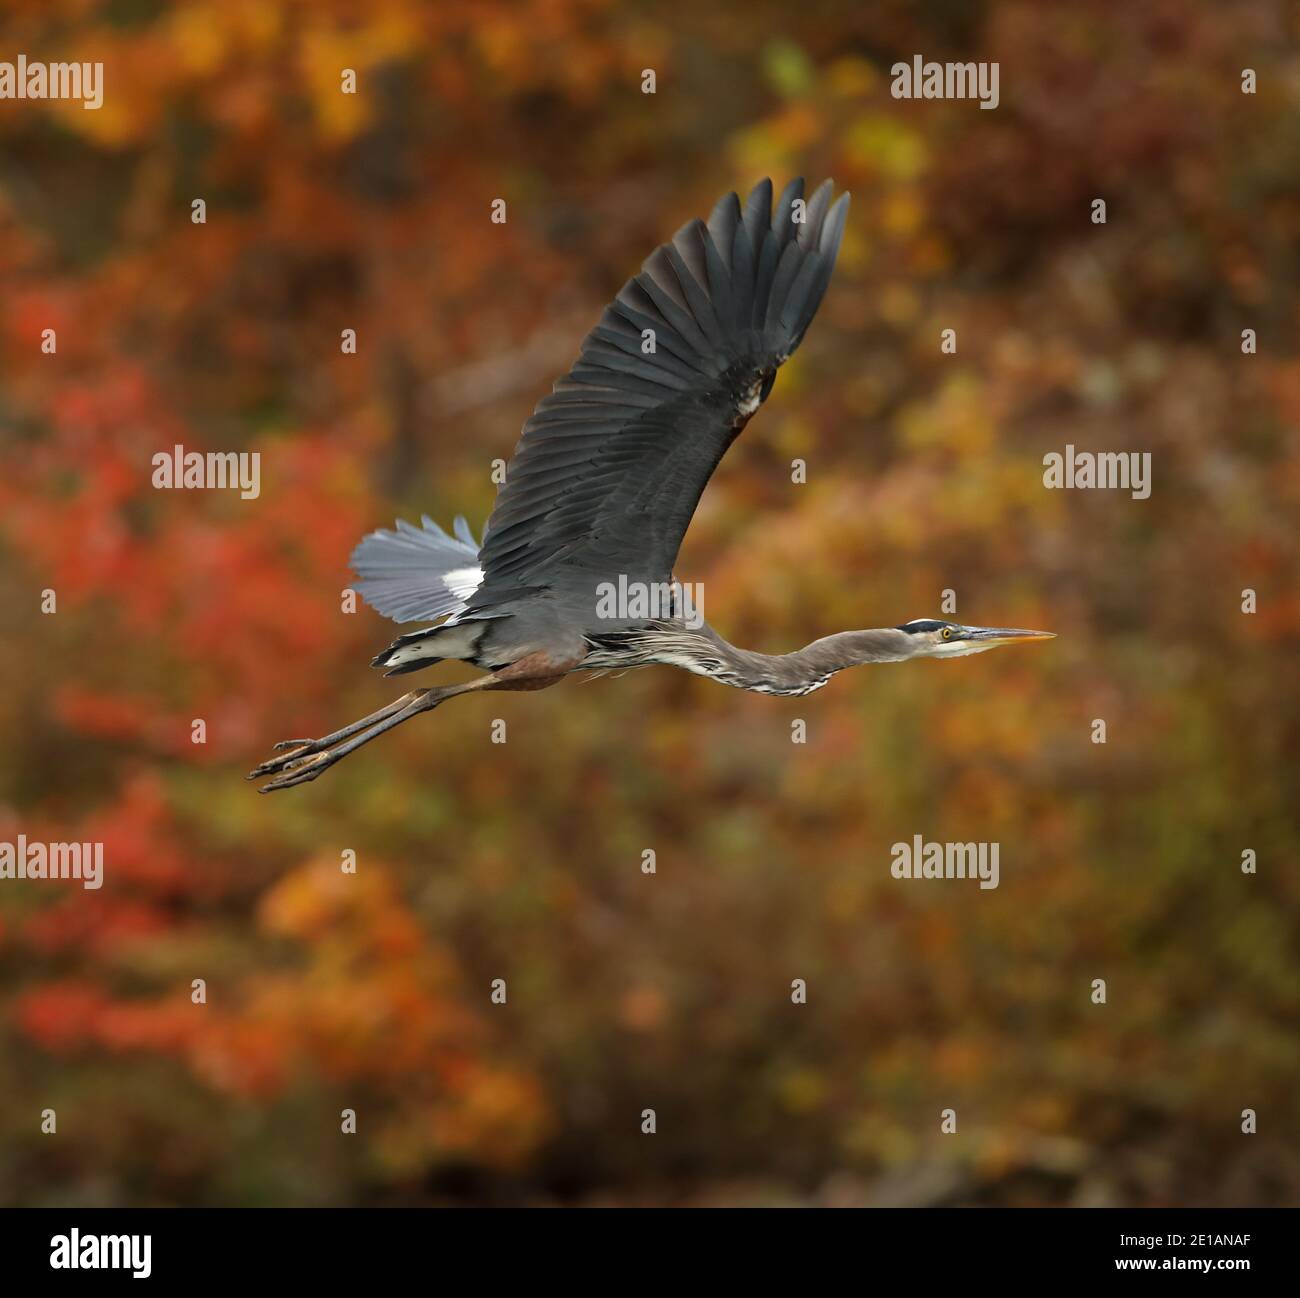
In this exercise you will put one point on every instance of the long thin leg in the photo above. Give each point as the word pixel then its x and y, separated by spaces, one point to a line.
pixel 307 760
pixel 304 747
pixel 300 768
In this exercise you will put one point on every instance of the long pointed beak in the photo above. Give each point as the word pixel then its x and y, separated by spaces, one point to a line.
pixel 995 635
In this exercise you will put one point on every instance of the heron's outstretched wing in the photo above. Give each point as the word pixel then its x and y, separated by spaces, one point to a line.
pixel 612 463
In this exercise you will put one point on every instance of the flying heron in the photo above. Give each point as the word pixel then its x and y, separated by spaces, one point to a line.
pixel 605 478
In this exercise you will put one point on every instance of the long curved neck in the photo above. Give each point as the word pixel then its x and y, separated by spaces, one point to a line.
pixel 809 668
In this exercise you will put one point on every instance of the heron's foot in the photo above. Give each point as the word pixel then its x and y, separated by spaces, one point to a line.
pixel 307 758
pixel 299 750
pixel 298 767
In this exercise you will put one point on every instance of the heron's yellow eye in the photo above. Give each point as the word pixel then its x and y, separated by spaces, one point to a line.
pixel 947 633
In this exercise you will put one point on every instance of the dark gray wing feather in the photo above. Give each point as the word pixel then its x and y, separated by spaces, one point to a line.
pixel 611 466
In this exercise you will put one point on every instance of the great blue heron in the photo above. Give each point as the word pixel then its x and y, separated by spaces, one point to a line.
pixel 605 479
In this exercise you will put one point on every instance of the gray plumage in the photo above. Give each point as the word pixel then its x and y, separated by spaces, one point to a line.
pixel 611 465
pixel 416 575
pixel 703 651
pixel 605 479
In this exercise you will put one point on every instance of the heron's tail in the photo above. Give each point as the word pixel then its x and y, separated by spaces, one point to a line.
pixel 418 649
pixel 414 575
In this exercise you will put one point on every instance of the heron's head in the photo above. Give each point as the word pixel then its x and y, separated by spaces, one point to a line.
pixel 935 639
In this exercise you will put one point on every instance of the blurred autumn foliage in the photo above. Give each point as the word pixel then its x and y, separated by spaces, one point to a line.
pixel 479 861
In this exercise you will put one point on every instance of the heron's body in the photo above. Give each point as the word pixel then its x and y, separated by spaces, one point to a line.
pixel 605 479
